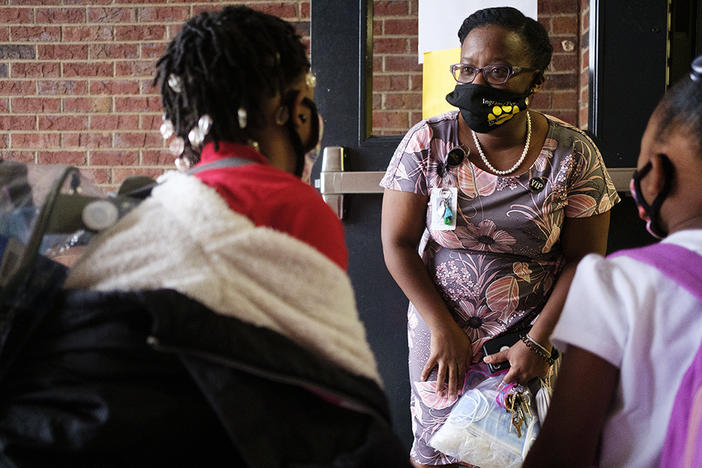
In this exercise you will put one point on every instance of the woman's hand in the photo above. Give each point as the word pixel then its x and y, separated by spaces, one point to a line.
pixel 524 363
pixel 450 353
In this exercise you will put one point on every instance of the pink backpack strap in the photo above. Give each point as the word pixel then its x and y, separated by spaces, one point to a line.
pixel 678 263
pixel 683 441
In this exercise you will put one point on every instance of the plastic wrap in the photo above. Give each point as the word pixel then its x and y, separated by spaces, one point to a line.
pixel 23 192
pixel 479 430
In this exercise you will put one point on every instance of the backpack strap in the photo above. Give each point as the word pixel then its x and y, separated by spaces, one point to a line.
pixel 678 263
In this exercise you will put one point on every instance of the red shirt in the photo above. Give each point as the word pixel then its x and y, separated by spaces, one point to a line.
pixel 274 198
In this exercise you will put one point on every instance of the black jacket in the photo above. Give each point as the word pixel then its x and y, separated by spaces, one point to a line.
pixel 153 378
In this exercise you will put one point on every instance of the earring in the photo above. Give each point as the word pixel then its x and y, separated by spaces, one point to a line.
pixel 310 80
pixel 175 83
pixel 166 129
pixel 282 115
pixel 242 115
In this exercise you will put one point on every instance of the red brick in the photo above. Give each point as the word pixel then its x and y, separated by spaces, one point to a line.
pixel 114 158
pixel 16 15
pixel 140 33
pixel 564 63
pixel 33 2
pixel 4 33
pixel 119 174
pixel 377 101
pixel 138 104
pixel 85 104
pixel 401 27
pixel 162 14
pixel 114 122
pixel 60 15
pixel 391 83
pixel 112 15
pixel 62 87
pixel 138 140
pixel 62 51
pixel 4 139
pixel 282 10
pixel 63 122
pixel 35 140
pixel 392 8
pixel 305 10
pixel 114 87
pixel 416 82
pixel 92 2
pixel 19 156
pixel 35 70
pixel 39 105
pixel 153 50
pixel 88 33
pixel 100 176
pixel 557 6
pixel 565 24
pixel 377 28
pixel 542 100
pixel 73 158
pixel 561 81
pixel 88 69
pixel 583 118
pixel 415 117
pixel 407 63
pixel 403 101
pixel 35 33
pixel 390 46
pixel 114 51
pixel 18 122
pixel 17 88
pixel 86 140
pixel 157 158
pixel 392 119
pixel 4 105
pixel 173 30
pixel 565 100
pixel 134 68
pixel 378 64
pixel 150 121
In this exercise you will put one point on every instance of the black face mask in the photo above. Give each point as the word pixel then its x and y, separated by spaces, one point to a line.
pixel 300 148
pixel 485 108
pixel 651 213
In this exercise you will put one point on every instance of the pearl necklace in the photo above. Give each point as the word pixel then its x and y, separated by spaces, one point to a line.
pixel 518 163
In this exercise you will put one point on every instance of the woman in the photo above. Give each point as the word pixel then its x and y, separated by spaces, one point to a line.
pixel 502 202
pixel 619 379
pixel 215 321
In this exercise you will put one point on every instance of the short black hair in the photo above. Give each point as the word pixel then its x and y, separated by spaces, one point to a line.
pixel 681 107
pixel 225 60
pixel 531 31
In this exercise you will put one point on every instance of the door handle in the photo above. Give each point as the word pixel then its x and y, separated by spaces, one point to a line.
pixel 334 182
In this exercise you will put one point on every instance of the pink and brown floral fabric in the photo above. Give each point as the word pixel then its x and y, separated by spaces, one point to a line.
pixel 497 268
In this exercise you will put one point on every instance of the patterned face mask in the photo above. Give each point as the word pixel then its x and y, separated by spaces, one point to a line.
pixel 485 108
pixel 651 213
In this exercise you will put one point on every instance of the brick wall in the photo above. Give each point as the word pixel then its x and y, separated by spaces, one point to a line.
pixel 75 75
pixel 397 85
pixel 75 80
pixel 584 63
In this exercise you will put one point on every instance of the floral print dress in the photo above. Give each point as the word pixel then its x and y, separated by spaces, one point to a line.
pixel 496 269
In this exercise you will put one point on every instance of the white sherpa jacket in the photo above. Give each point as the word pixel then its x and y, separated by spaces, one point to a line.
pixel 185 237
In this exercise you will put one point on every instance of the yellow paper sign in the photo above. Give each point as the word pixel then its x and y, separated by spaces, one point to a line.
pixel 437 81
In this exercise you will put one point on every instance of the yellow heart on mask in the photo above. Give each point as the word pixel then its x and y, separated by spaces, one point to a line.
pixel 515 110
pixel 491 117
pixel 496 110
pixel 507 109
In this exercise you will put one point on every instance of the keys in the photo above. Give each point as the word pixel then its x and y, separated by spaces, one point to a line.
pixel 517 403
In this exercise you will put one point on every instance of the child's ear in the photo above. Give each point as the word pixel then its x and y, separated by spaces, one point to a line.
pixel 660 165
pixel 538 82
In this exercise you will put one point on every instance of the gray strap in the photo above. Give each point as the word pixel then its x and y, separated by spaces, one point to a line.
pixel 221 163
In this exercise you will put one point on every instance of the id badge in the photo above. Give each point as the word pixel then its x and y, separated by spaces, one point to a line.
pixel 443 208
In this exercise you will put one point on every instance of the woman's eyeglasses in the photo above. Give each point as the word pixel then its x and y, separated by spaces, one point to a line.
pixel 493 74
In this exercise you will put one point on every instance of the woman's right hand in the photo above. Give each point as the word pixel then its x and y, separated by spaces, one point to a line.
pixel 450 353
